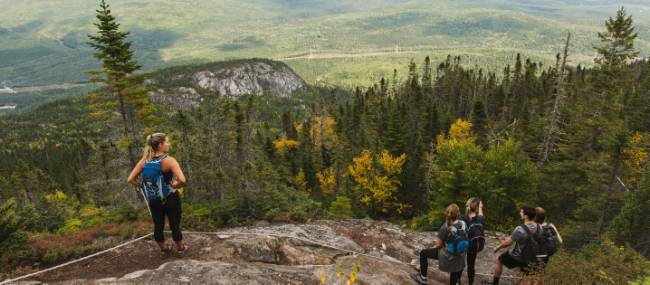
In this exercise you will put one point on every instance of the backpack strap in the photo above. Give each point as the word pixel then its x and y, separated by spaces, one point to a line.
pixel 531 238
pixel 528 233
pixel 455 236
pixel 527 230
pixel 158 159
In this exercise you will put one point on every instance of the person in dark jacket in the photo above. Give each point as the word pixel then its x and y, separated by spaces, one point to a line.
pixel 473 218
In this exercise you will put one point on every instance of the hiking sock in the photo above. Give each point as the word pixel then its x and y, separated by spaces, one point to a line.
pixel 495 280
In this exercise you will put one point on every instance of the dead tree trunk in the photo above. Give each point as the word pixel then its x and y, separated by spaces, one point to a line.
pixel 554 117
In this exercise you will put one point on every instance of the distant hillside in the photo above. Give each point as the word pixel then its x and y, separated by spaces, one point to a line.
pixel 185 86
pixel 43 42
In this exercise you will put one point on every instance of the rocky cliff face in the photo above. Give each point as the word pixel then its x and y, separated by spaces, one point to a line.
pixel 185 86
pixel 277 254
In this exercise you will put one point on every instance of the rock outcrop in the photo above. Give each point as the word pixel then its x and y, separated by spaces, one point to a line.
pixel 275 254
pixel 185 86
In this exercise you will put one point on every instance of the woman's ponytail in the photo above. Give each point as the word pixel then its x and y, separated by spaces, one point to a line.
pixel 151 145
pixel 473 205
pixel 453 214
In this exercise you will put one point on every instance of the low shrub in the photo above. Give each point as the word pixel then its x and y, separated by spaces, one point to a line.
pixel 603 263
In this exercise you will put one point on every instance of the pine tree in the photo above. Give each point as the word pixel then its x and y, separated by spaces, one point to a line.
pixel 394 138
pixel 613 82
pixel 618 41
pixel 186 125
pixel 118 66
pixel 432 125
pixel 9 220
pixel 426 77
pixel 479 123
pixel 341 208
pixel 287 126
pixel 12 235
pixel 630 226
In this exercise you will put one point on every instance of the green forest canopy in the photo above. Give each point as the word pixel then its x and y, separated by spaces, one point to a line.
pixel 398 150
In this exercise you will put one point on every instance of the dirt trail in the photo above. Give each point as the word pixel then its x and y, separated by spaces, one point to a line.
pixel 137 256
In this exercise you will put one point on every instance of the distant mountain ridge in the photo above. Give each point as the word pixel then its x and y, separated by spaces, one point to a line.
pixel 185 86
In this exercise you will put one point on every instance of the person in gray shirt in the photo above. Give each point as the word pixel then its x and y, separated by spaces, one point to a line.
pixel 519 237
pixel 447 261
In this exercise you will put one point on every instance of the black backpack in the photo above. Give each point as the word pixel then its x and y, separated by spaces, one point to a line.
pixel 536 247
pixel 551 243
pixel 476 235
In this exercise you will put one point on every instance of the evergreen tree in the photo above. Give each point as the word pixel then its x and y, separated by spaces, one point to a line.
pixel 630 225
pixel 618 41
pixel 12 235
pixel 341 208
pixel 479 123
pixel 426 76
pixel 118 66
pixel 432 125
pixel 394 138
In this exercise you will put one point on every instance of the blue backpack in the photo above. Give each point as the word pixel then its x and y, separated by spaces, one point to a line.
pixel 458 243
pixel 152 179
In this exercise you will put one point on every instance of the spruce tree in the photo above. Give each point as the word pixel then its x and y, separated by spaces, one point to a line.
pixel 618 41
pixel 13 237
pixel 426 77
pixel 630 226
pixel 479 123
pixel 614 81
pixel 394 138
pixel 114 51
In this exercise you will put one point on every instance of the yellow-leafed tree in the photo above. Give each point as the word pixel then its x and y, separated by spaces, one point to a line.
pixel 635 157
pixel 282 145
pixel 377 178
pixel 322 131
pixel 301 182
pixel 327 181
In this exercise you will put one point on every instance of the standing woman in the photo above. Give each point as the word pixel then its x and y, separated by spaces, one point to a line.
pixel 476 231
pixel 160 176
pixel 453 231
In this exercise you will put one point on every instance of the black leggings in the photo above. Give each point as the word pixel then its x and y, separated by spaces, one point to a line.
pixel 425 254
pixel 471 262
pixel 170 208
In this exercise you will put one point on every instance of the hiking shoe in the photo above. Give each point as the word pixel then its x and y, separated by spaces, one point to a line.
pixel 421 279
pixel 181 251
pixel 166 251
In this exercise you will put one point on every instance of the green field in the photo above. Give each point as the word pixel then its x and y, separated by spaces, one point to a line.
pixel 43 42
